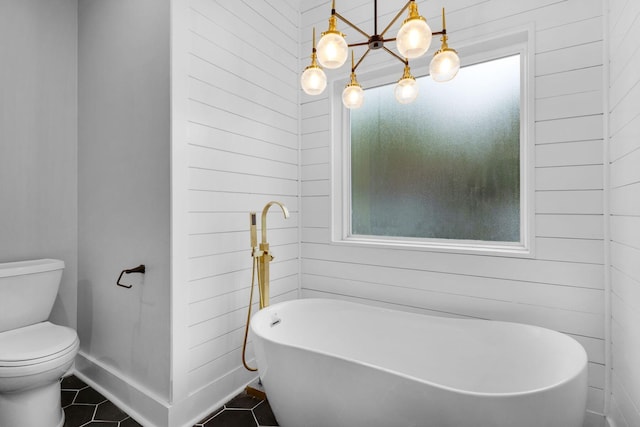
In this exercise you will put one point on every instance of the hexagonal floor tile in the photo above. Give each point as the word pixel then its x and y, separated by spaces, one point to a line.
pixel 233 418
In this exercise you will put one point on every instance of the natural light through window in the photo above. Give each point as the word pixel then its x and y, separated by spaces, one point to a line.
pixel 447 166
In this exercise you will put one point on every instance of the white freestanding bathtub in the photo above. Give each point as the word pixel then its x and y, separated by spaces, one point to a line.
pixel 330 363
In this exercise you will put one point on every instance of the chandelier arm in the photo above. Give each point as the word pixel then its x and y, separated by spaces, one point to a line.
pixel 444 27
pixel 358 44
pixel 352 25
pixel 392 53
pixel 360 60
pixel 393 21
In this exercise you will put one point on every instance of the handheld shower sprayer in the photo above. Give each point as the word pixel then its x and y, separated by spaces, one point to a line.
pixel 261 256
pixel 252 229
pixel 254 249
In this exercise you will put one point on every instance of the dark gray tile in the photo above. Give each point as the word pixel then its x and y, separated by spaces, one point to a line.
pixel 67 397
pixel 130 422
pixel 77 415
pixel 107 411
pixel 102 424
pixel 72 383
pixel 264 415
pixel 208 417
pixel 233 418
pixel 89 395
pixel 243 401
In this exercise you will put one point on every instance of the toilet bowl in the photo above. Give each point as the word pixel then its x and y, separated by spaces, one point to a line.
pixel 32 361
pixel 34 353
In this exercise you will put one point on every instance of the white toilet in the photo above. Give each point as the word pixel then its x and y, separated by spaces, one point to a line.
pixel 34 353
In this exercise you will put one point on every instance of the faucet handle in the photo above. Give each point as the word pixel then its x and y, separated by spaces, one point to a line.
pixel 266 254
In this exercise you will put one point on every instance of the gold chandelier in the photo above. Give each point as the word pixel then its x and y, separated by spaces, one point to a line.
pixel 412 41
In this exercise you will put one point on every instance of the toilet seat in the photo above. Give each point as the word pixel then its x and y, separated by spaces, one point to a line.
pixel 36 344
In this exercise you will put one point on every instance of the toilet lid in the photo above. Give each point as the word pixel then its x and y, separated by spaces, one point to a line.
pixel 34 343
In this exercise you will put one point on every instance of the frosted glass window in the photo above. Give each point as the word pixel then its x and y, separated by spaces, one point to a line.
pixel 446 166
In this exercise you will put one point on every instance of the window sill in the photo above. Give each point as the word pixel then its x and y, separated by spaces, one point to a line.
pixel 466 247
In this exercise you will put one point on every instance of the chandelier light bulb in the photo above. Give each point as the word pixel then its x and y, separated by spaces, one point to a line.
pixel 313 80
pixel 332 48
pixel 414 37
pixel 444 65
pixel 353 96
pixel 406 90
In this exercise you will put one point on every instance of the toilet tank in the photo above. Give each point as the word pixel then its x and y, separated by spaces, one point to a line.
pixel 28 290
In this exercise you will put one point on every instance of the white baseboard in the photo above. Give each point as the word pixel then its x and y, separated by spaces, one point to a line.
pixel 202 402
pixel 594 419
pixel 151 410
pixel 141 404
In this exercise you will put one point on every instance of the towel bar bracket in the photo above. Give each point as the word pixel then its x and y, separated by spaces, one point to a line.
pixel 139 269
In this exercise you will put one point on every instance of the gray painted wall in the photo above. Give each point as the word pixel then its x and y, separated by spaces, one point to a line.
pixel 124 188
pixel 38 139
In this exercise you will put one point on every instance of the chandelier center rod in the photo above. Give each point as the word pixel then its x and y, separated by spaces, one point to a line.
pixel 375 21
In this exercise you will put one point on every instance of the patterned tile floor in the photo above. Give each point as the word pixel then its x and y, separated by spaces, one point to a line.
pixel 83 406
pixel 241 411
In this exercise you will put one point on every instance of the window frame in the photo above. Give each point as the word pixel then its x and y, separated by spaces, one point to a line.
pixel 517 42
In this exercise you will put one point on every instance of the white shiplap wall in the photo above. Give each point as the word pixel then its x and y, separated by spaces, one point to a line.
pixel 242 151
pixel 624 157
pixel 562 288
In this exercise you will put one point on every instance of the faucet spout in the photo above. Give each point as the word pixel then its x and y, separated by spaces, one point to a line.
pixel 285 211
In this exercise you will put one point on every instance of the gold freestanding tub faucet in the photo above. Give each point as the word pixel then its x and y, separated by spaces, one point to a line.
pixel 264 255
pixel 261 259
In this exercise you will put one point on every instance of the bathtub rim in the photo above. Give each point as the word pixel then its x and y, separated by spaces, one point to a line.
pixel 581 352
